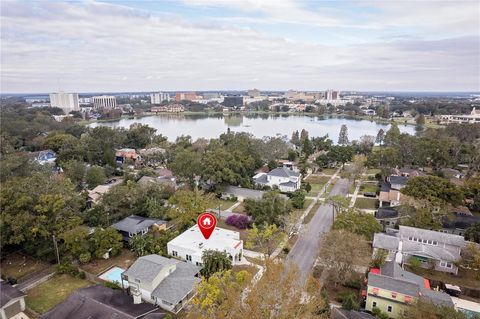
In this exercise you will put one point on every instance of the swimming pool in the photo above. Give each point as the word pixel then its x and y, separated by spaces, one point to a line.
pixel 114 274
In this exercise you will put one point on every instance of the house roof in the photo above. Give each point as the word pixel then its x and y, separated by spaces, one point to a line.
pixel 283 172
pixel 399 285
pixel 148 180
pixel 146 268
pixel 100 302
pixel 385 187
pixel 177 284
pixel 411 172
pixel 384 241
pixel 456 240
pixel 8 293
pixel 244 192
pixel 288 184
pixel 398 180
pixel 261 178
pixel 134 224
pixel 386 212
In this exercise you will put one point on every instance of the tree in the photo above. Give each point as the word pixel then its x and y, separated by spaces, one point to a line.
pixel 342 256
pixel 269 209
pixel 379 258
pixel 185 164
pixel 75 170
pixel 426 309
pixel 471 258
pixel 420 119
pixel 139 135
pixel 473 233
pixel 214 261
pixel 298 199
pixel 95 176
pixel 295 138
pixel 359 223
pixel 349 302
pixel 106 240
pixel 303 135
pixel 434 189
pixel 343 136
pixel 292 155
pixel 421 214
pixel 218 296
pixel 35 208
pixel 380 136
pixel 392 137
pixel 308 187
pixel 266 239
pixel 76 241
pixel 188 205
pixel 150 243
pixel 340 154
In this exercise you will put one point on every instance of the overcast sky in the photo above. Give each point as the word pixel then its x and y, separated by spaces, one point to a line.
pixel 92 46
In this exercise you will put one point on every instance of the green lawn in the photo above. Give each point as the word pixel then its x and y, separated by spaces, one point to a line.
pixel 373 171
pixel 312 212
pixel 368 187
pixel 329 171
pixel 47 295
pixel 366 203
pixel 215 202
pixel 317 183
pixel 99 265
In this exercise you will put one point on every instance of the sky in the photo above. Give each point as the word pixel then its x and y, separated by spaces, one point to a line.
pixel 169 45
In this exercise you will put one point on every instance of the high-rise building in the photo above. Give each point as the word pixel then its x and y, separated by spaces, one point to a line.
pixel 104 102
pixel 331 95
pixel 232 101
pixel 179 96
pixel 68 102
pixel 158 98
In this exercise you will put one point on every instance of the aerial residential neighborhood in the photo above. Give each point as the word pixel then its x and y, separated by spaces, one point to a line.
pixel 233 159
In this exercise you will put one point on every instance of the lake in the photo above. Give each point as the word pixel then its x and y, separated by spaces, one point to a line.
pixel 260 125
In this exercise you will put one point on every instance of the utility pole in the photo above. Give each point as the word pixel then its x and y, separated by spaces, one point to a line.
pixel 56 249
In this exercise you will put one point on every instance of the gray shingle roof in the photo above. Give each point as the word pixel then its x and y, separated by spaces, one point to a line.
pixel 177 284
pixel 386 212
pixel 7 293
pixel 384 241
pixel 283 172
pixel 146 268
pixel 288 184
pixel 401 180
pixel 134 223
pixel 456 240
pixel 262 179
pixel 392 284
pixel 100 302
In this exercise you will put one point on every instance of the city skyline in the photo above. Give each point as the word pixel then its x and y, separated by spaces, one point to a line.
pixel 208 45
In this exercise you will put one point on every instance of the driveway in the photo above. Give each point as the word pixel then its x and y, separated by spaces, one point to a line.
pixel 305 251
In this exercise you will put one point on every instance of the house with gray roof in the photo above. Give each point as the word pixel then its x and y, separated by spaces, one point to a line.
pixel 134 225
pixel 168 283
pixel 432 248
pixel 393 289
pixel 12 300
pixel 286 179
pixel 242 193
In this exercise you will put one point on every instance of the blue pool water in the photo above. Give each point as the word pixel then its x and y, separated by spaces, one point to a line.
pixel 113 275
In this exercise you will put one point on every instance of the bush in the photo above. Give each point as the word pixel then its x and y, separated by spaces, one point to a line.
pixel 12 281
pixel 85 257
pixel 112 285
pixel 239 221
pixel 286 250
pixel 67 268
pixel 82 275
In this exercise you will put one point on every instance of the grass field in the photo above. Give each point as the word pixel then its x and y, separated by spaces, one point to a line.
pixel 312 212
pixel 329 171
pixel 368 187
pixel 214 203
pixel 47 295
pixel 366 203
pixel 316 182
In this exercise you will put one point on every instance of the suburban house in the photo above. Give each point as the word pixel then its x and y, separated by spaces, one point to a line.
pixel 432 248
pixel 191 244
pixel 95 195
pixel 458 221
pixel 101 302
pixel 134 225
pixel 166 282
pixel 12 301
pixel 241 193
pixel 149 180
pixel 390 194
pixel 44 157
pixel 123 154
pixel 408 172
pixel 387 217
pixel 287 180
pixel 392 289
pixel 469 308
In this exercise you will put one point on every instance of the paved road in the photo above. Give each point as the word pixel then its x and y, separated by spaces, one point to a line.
pixel 305 251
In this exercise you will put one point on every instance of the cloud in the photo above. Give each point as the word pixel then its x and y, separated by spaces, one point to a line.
pixel 92 47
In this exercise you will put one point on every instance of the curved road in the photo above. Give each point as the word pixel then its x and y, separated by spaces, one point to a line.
pixel 305 250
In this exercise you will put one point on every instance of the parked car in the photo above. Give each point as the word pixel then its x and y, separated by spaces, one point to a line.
pixel 370 194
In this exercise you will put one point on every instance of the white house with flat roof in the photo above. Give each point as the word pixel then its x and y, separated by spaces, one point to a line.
pixel 191 244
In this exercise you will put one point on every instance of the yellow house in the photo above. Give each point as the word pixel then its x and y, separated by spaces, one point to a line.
pixel 392 289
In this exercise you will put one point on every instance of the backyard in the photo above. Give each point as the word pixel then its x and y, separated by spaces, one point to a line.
pixel 316 182
pixel 98 266
pixel 368 187
pixel 19 266
pixel 47 295
pixel 215 203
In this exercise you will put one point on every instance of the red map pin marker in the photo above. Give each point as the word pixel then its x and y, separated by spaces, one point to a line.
pixel 206 222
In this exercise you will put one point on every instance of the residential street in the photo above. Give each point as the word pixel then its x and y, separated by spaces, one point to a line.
pixel 305 251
